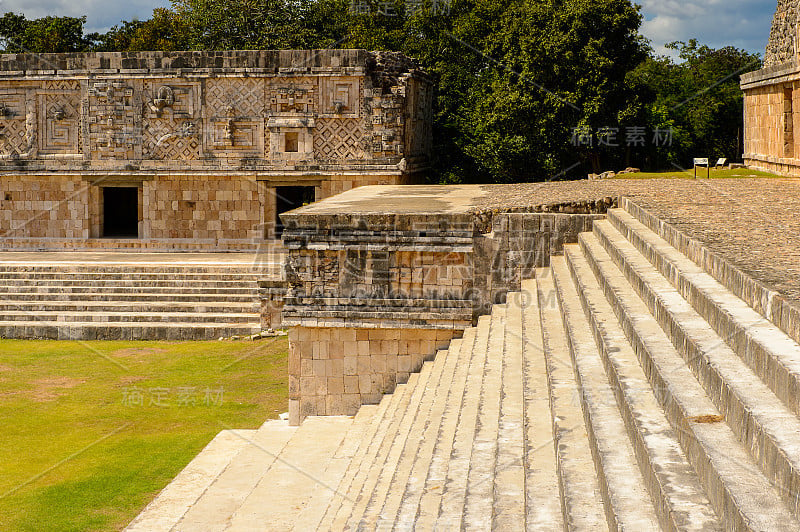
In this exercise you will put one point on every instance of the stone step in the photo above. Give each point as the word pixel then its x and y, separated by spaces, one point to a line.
pixel 51 330
pixel 131 296
pixel 680 501
pixel 769 351
pixel 480 484
pixel 133 317
pixel 172 503
pixel 143 289
pixel 453 498
pixel 388 459
pixel 758 417
pixel 509 472
pixel 417 447
pixel 348 487
pixel 740 493
pixel 177 282
pixel 423 492
pixel 543 502
pixel 284 491
pixel 334 474
pixel 217 501
pixel 580 496
pixel 622 485
pixel 130 306
pixel 360 474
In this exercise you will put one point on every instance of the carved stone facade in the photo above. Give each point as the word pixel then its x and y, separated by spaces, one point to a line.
pixel 209 140
pixel 381 278
pixel 772 99
pixel 782 46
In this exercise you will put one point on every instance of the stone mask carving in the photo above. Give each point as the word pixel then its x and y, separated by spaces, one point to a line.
pixel 165 97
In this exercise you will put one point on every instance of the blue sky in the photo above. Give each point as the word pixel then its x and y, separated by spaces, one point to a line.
pixel 741 23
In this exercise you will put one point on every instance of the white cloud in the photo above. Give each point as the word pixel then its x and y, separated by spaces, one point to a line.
pixel 100 14
pixel 717 23
pixel 741 23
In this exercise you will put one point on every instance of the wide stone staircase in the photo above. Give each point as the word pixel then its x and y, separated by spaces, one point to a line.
pixel 129 301
pixel 623 388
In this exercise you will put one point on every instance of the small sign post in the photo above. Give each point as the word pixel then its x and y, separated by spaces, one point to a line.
pixel 702 162
pixel 720 163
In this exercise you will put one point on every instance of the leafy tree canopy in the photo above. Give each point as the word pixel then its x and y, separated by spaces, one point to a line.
pixel 516 79
pixel 48 34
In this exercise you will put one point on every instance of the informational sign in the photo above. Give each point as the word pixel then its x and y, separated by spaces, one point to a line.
pixel 702 162
pixel 721 162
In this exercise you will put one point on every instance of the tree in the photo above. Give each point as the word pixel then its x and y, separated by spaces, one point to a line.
pixel 699 98
pixel 515 77
pixel 48 34
pixel 166 30
pixel 250 24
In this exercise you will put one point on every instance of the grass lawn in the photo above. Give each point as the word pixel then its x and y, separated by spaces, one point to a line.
pixel 91 431
pixel 701 173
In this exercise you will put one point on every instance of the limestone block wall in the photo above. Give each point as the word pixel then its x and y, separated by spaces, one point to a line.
pixel 772 119
pixel 47 207
pixel 204 135
pixel 203 208
pixel 370 297
pixel 334 370
pixel 518 244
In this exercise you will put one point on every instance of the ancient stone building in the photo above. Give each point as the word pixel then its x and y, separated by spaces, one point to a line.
pixel 197 150
pixel 772 99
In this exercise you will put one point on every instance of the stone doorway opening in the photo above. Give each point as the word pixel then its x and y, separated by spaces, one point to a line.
pixel 288 198
pixel 120 212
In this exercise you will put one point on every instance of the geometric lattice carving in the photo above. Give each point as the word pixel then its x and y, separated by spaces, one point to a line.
pixel 13 138
pixel 59 122
pixel 339 139
pixel 62 85
pixel 234 116
pixel 246 95
pixel 170 139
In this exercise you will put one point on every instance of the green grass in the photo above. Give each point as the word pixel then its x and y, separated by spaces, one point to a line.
pixel 78 451
pixel 701 173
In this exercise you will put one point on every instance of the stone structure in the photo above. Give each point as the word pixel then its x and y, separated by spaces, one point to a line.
pixel 646 379
pixel 197 150
pixel 772 99
pixel 380 278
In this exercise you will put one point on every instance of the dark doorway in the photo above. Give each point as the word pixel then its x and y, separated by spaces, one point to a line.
pixel 120 212
pixel 288 198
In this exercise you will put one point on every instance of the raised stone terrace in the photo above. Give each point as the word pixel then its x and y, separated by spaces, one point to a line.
pixel 644 377
pixel 136 296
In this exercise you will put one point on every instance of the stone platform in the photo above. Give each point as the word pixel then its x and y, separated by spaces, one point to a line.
pixel 134 296
pixel 622 386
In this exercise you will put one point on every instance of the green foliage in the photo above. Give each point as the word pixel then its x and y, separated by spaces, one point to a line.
pixel 257 24
pixel 166 30
pixel 699 97
pixel 47 34
pixel 515 79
